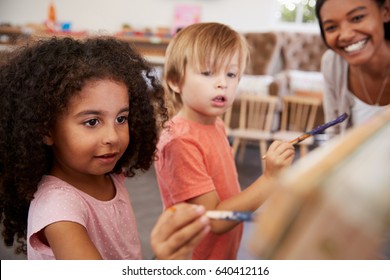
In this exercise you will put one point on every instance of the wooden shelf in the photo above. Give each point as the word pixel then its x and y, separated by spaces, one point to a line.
pixel 152 47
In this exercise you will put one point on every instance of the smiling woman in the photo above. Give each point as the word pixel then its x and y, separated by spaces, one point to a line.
pixel 356 69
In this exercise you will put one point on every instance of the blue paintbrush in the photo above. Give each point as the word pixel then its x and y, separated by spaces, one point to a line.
pixel 319 129
pixel 230 215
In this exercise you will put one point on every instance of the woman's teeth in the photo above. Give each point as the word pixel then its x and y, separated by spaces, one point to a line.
pixel 356 46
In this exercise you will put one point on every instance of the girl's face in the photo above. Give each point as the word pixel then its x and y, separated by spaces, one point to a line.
pixel 92 135
pixel 206 94
pixel 354 28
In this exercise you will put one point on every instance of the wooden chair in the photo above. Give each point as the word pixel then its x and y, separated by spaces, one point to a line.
pixel 298 116
pixel 231 116
pixel 227 119
pixel 257 113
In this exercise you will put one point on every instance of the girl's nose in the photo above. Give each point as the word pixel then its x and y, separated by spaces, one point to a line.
pixel 110 135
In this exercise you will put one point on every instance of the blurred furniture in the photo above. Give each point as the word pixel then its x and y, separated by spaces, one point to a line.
pixel 290 58
pixel 302 51
pixel 301 55
pixel 227 119
pixel 255 122
pixel 298 116
pixel 273 55
pixel 152 46
pixel 10 35
pixel 285 63
pixel 333 204
pixel 258 79
pixel 264 52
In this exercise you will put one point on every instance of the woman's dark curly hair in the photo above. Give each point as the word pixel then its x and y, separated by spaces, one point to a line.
pixel 319 5
pixel 36 83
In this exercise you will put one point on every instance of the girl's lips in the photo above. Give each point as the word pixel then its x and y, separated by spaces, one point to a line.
pixel 107 155
pixel 107 158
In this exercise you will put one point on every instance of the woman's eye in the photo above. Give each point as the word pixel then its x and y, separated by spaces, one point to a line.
pixel 92 122
pixel 330 28
pixel 357 18
pixel 122 119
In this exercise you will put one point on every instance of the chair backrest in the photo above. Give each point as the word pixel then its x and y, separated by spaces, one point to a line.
pixel 227 118
pixel 257 112
pixel 264 53
pixel 302 51
pixel 299 113
pixel 231 116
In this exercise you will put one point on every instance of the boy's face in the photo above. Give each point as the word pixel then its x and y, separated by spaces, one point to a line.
pixel 206 94
pixel 92 135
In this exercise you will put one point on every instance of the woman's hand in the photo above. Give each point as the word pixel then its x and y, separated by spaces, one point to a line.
pixel 178 230
pixel 279 155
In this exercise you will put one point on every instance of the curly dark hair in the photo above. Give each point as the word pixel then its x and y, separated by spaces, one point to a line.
pixel 36 83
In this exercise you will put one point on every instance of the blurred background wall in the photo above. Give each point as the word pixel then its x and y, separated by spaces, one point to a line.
pixel 109 16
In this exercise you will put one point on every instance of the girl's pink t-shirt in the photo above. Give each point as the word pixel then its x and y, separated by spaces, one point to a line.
pixel 111 224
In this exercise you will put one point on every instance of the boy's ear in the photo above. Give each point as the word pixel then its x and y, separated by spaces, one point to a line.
pixel 48 140
pixel 174 86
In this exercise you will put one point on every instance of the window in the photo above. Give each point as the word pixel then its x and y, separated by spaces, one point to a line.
pixel 298 11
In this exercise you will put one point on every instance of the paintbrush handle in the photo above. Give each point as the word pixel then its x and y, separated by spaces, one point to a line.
pixel 300 138
pixel 230 215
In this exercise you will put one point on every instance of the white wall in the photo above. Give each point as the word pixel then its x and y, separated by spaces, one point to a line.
pixel 109 15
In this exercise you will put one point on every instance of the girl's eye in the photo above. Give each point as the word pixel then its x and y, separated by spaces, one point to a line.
pixel 92 122
pixel 231 75
pixel 206 73
pixel 122 119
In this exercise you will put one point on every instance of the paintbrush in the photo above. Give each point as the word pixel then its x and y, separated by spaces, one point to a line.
pixel 230 215
pixel 319 129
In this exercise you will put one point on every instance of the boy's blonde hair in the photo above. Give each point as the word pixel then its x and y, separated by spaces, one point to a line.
pixel 203 45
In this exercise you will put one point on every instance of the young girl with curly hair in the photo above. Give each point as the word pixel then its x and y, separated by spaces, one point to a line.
pixel 76 119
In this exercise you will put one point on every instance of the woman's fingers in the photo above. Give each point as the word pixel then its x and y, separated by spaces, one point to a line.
pixel 192 237
pixel 176 217
pixel 178 230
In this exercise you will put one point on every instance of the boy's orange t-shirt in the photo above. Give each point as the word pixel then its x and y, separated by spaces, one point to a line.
pixel 194 159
